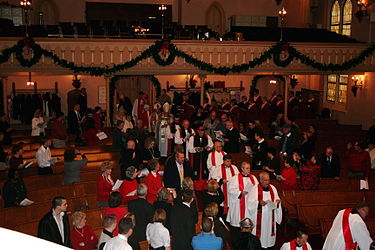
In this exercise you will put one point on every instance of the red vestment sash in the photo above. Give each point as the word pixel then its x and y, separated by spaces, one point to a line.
pixel 213 160
pixel 225 186
pixel 349 244
pixel 293 245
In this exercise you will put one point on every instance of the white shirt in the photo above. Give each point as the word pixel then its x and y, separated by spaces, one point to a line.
pixel 157 235
pixel 372 157
pixel 60 223
pixel 43 156
pixel 286 246
pixel 120 242
pixel 35 129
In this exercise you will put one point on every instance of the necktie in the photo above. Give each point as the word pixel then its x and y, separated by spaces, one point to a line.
pixel 283 149
pixel 181 171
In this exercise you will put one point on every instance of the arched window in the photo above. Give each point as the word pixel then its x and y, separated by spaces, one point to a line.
pixel 347 18
pixel 335 17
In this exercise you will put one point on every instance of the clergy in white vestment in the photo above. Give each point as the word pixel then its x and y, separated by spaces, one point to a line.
pixel 163 131
pixel 265 210
pixel 238 188
pixel 349 230
pixel 215 158
pixel 299 243
pixel 222 174
pixel 183 135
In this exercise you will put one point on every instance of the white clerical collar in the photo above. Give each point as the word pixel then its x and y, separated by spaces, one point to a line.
pixel 123 237
pixel 288 135
pixel 261 141
pixel 187 204
pixel 231 129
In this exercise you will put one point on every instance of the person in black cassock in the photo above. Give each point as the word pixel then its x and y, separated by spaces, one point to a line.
pixel 247 240
pixel 198 147
pixel 259 151
pixel 231 139
pixel 54 226
pixel 128 157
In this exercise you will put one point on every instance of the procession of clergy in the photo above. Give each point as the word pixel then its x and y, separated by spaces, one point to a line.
pixel 208 150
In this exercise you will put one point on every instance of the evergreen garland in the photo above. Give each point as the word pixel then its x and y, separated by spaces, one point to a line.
pixel 282 54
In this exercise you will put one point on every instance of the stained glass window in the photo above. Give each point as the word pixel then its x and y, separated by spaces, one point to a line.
pixel 335 17
pixel 337 88
pixel 331 88
pixel 347 18
pixel 343 93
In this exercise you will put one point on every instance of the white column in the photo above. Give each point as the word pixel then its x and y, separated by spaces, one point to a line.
pixel 202 79
pixel 286 98
pixel 107 79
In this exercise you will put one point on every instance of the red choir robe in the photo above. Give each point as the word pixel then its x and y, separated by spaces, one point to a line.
pixel 225 107
pixel 143 114
pixel 252 112
pixel 234 112
pixel 154 183
pixel 291 179
pixel 128 190
pixel 265 113
pixel 104 188
pixel 83 239
pixel 187 112
pixel 280 107
pixel 242 107
pixel 258 101
pixel 120 212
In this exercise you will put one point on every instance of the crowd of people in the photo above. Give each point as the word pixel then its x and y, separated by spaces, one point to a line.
pixel 176 160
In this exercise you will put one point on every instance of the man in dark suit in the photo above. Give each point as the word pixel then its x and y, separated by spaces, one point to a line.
pixel 54 226
pixel 330 164
pixel 143 212
pixel 74 120
pixel 253 129
pixel 128 157
pixel 231 139
pixel 182 225
pixel 259 151
pixel 287 142
pixel 117 138
pixel 175 171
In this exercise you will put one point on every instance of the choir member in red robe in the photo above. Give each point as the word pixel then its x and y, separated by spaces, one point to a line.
pixel 265 113
pixel 279 104
pixel 310 175
pixel 153 180
pixel 234 112
pixel 257 99
pixel 97 119
pixel 104 184
pixel 128 188
pixel 82 236
pixel 115 200
pixel 242 106
pixel 288 176
pixel 206 107
pixel 225 106
pixel 252 112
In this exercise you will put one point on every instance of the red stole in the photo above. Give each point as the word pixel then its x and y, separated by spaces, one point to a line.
pixel 241 186
pixel 213 160
pixel 293 245
pixel 225 185
pixel 259 215
pixel 349 244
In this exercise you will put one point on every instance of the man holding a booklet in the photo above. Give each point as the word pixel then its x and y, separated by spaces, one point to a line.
pixel 43 157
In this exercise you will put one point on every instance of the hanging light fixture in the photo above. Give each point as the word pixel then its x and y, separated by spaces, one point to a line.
pixel 29 82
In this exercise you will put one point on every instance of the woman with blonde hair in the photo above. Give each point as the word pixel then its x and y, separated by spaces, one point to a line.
pixel 163 196
pixel 157 235
pixel 104 184
pixel 38 124
pixel 82 236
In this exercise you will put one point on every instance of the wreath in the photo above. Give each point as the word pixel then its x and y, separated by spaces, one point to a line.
pixel 283 55
pixel 29 46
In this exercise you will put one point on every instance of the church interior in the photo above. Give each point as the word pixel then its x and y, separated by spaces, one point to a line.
pixel 269 69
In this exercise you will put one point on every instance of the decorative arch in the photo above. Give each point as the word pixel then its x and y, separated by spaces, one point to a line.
pixel 215 18
pixel 50 12
pixel 335 17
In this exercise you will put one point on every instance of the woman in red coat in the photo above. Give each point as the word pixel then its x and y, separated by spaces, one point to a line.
pixel 128 188
pixel 115 200
pixel 288 176
pixel 309 175
pixel 153 180
pixel 90 134
pixel 104 184
pixel 98 121
pixel 82 236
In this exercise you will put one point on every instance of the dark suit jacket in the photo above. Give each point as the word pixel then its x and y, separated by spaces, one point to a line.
pixel 233 145
pixel 73 123
pixel 48 230
pixel 171 175
pixel 247 241
pixel 260 154
pixel 290 144
pixel 117 139
pixel 330 169
pixel 182 227
pixel 144 213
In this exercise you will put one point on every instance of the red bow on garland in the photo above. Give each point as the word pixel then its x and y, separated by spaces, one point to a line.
pixel 164 49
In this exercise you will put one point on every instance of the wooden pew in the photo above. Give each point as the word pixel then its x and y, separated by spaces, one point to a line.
pixel 326 224
pixel 291 199
pixel 310 214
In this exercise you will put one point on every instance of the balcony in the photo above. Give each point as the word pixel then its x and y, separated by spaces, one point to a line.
pixel 107 52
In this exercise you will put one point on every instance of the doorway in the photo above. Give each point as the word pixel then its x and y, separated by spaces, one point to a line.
pixel 215 18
